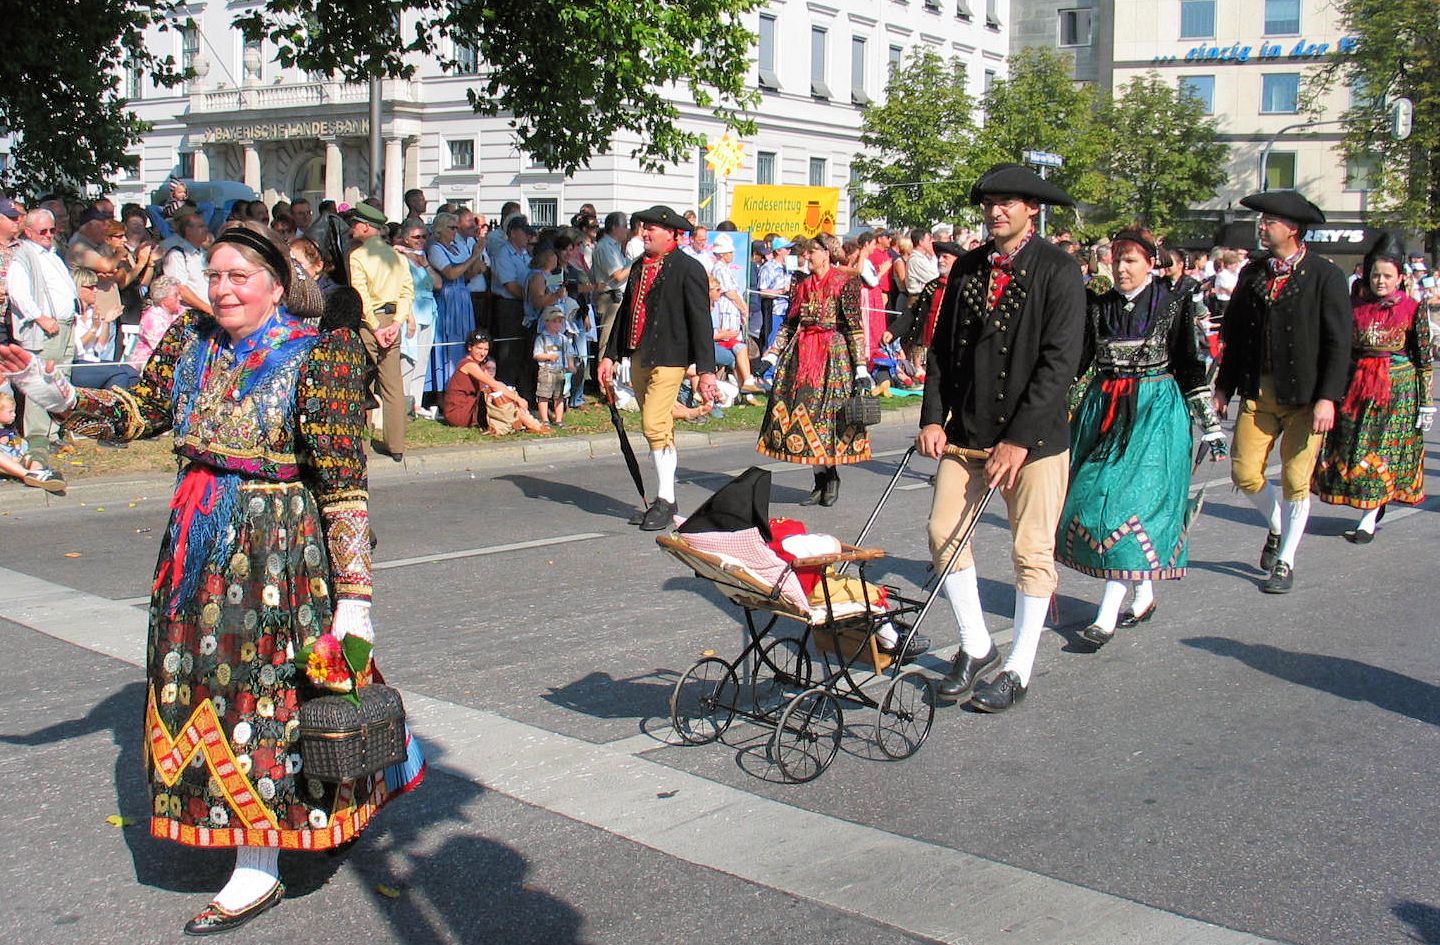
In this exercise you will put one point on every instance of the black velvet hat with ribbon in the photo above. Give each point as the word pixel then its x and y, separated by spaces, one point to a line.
pixel 743 502
pixel 952 249
pixel 1387 246
pixel 1287 204
pixel 661 215
pixel 1014 180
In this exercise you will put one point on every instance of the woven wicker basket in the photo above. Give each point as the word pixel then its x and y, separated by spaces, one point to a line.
pixel 342 741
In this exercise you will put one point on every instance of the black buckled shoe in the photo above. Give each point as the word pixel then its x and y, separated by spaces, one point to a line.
pixel 660 515
pixel 1281 580
pixel 964 671
pixel 817 493
pixel 1270 553
pixel 917 646
pixel 830 494
pixel 213 920
pixel 1359 536
pixel 1000 693
pixel 1133 619
pixel 1096 635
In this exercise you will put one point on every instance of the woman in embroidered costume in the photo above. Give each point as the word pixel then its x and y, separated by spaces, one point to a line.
pixel 268 547
pixel 819 355
pixel 1126 516
pixel 1375 454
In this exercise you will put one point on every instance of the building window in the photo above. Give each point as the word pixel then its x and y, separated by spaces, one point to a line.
pixel 1280 93
pixel 462 154
pixel 1280 170
pixel 1074 27
pixel 705 191
pixel 1360 173
pixel 989 82
pixel 932 6
pixel 857 71
pixel 818 172
pixel 766 53
pixel 467 60
pixel 1361 97
pixel 992 14
pixel 1197 19
pixel 895 55
pixel 134 80
pixel 1282 17
pixel 764 167
pixel 1201 87
pixel 189 50
pixel 544 211
pixel 185 165
pixel 819 36
pixel 963 11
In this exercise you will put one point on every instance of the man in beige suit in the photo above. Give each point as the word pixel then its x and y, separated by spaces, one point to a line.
pixel 386 292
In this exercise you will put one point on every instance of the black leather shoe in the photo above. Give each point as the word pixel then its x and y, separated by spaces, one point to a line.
pixel 1133 619
pixel 398 457
pixel 1281 580
pixel 1270 553
pixel 830 494
pixel 960 681
pixel 1000 693
pixel 659 516
pixel 1358 536
pixel 1096 635
pixel 817 493
pixel 213 920
pixel 916 648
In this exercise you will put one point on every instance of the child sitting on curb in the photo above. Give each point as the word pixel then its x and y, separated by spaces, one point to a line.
pixel 15 458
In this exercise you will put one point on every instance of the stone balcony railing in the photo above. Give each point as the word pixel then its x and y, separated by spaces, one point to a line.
pixel 298 95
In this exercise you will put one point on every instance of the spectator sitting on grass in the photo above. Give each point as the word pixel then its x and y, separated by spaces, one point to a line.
pixel 15 458
pixel 475 398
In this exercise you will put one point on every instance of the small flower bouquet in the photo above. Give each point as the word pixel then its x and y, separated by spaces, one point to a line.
pixel 341 666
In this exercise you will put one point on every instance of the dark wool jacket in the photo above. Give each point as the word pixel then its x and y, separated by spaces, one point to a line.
pixel 1308 333
pixel 678 331
pixel 1004 374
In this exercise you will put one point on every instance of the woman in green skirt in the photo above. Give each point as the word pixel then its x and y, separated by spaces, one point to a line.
pixel 1375 454
pixel 1126 516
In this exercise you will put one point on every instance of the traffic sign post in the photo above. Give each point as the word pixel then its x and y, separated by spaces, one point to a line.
pixel 1402 118
pixel 1044 160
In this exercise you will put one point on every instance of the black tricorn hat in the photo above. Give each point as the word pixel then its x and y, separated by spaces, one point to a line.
pixel 953 249
pixel 743 502
pixel 1018 181
pixel 1387 246
pixel 661 215
pixel 1287 204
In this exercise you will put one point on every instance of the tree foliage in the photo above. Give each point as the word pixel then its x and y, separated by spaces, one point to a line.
pixel 917 144
pixel 61 94
pixel 1397 54
pixel 1163 155
pixel 568 75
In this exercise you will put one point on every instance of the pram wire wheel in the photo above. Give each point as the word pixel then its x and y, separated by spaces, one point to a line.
pixel 905 713
pixel 703 701
pixel 808 736
pixel 782 669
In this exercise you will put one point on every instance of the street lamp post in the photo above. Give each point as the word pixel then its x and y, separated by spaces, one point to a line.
pixel 1265 154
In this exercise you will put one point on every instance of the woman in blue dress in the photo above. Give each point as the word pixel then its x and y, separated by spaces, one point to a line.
pixel 415 349
pixel 1126 516
pixel 453 258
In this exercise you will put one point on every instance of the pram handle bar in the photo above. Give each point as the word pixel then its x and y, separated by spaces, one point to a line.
pixel 847 553
pixel 966 452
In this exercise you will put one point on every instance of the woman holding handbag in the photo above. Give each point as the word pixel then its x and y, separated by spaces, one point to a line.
pixel 819 361
pixel 268 549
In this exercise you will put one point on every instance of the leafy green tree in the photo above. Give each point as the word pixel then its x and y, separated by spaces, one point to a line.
pixel 1397 54
pixel 915 168
pixel 1038 107
pixel 61 94
pixel 1164 155
pixel 568 75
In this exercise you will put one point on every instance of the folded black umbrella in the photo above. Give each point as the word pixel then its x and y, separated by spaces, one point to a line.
pixel 626 449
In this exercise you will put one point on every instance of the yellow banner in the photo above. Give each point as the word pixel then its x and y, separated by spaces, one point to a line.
pixel 787 210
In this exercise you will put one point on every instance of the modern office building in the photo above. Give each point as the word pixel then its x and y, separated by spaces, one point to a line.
pixel 288 134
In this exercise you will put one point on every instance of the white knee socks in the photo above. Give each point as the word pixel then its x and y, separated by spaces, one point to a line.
pixel 1369 520
pixel 1267 501
pixel 962 588
pixel 1030 615
pixel 257 870
pixel 1144 597
pixel 1296 515
pixel 1110 603
pixel 665 462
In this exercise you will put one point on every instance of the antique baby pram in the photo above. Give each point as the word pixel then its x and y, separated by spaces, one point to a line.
pixel 774 681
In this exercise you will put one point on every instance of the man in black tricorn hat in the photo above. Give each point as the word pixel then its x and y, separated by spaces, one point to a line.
pixel 1006 347
pixel 1286 339
pixel 663 326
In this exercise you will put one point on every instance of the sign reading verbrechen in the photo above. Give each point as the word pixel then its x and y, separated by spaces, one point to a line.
pixel 785 209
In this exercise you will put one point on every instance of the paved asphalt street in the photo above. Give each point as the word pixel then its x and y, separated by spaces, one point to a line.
pixel 1243 768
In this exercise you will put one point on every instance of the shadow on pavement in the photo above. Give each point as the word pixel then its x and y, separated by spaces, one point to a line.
pixel 586 500
pixel 1346 678
pixel 602 696
pixel 1424 920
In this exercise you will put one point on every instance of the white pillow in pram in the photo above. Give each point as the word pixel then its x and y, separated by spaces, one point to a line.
pixel 811 546
pixel 750 551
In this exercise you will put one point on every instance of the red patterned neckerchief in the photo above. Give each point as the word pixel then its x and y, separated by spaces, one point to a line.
pixel 1280 270
pixel 1002 268
pixel 650 268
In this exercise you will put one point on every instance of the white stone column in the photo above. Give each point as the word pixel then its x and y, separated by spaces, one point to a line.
pixel 412 163
pixel 252 166
pixel 394 169
pixel 201 159
pixel 334 172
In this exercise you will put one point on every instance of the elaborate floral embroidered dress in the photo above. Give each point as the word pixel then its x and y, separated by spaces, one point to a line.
pixel 269 524
pixel 1126 513
pixel 819 346
pixel 1374 454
